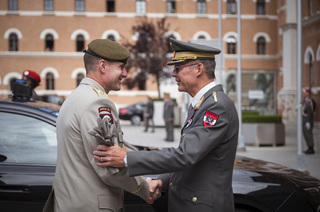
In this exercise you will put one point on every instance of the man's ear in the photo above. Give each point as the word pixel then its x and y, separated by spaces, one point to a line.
pixel 102 66
pixel 200 69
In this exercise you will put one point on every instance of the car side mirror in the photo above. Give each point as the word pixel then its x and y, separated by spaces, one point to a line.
pixel 2 158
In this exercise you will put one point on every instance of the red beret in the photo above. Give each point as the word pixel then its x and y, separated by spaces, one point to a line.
pixel 32 75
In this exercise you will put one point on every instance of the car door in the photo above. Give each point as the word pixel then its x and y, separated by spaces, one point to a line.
pixel 27 159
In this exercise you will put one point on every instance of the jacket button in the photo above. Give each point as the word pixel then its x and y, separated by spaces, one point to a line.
pixel 194 199
pixel 170 184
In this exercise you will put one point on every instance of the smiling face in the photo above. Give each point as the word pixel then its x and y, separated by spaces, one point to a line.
pixel 186 77
pixel 114 73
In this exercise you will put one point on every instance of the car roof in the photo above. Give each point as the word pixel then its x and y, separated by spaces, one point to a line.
pixel 31 108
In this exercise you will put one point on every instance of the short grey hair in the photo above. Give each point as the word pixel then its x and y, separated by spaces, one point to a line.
pixel 210 67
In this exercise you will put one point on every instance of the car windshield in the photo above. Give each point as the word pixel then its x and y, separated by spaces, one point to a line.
pixel 25 139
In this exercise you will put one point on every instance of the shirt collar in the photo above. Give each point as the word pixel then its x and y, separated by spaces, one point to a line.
pixel 203 90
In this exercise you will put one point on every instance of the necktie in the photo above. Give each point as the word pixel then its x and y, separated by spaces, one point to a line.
pixel 190 109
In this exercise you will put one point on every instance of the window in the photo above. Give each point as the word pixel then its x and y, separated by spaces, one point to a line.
pixel 310 70
pixel 110 6
pixel 80 76
pixel 49 81
pixel 140 6
pixel 261 45
pixel 48 5
pixel 261 7
pixel 20 144
pixel 231 42
pixel 111 37
pixel 171 6
pixel 79 5
pixel 13 42
pixel 310 7
pixel 13 5
pixel 80 43
pixel 201 7
pixel 231 7
pixel 49 43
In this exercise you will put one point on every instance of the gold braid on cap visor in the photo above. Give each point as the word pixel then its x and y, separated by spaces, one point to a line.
pixel 182 56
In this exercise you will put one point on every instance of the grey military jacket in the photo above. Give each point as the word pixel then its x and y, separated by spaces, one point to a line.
pixel 201 166
pixel 79 184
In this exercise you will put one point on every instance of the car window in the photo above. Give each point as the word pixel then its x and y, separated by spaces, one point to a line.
pixel 25 139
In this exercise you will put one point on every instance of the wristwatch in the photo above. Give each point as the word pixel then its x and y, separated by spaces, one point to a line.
pixel 125 161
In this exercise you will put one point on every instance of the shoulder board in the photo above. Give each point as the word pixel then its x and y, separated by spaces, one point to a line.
pixel 214 94
pixel 99 92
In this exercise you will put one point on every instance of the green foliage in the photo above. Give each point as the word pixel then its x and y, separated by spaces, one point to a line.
pixel 253 117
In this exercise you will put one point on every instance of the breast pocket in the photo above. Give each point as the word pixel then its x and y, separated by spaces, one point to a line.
pixel 110 203
pixel 196 196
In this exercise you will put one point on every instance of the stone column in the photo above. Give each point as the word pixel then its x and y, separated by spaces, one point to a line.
pixel 287 95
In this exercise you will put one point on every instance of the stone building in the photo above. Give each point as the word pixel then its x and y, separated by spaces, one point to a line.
pixel 48 36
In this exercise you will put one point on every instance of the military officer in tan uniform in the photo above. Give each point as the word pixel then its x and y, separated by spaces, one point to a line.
pixel 79 184
pixel 201 166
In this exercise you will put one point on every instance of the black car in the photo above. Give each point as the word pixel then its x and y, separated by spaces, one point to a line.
pixel 133 113
pixel 27 131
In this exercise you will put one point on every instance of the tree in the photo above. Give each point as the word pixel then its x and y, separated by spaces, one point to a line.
pixel 148 53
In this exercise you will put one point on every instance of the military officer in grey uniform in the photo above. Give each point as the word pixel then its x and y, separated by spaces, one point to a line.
pixel 201 166
pixel 308 108
pixel 168 116
pixel 79 184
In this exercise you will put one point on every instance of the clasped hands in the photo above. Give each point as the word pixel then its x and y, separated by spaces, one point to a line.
pixel 114 156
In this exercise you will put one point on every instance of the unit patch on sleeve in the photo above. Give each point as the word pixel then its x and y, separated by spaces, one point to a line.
pixel 210 119
pixel 105 113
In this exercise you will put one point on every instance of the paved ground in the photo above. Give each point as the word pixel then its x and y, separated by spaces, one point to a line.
pixel 284 155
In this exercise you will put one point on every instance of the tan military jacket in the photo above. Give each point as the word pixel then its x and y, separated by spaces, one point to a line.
pixel 79 184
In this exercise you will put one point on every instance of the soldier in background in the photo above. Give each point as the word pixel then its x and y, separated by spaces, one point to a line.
pixel 148 114
pixel 33 80
pixel 308 107
pixel 168 116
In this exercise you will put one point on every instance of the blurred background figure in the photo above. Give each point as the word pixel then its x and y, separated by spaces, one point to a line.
pixel 33 79
pixel 168 116
pixel 308 107
pixel 148 114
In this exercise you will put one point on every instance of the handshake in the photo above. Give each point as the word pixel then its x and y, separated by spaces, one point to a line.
pixel 155 188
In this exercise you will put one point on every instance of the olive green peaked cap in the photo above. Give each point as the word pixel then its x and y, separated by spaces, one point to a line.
pixel 108 49
pixel 183 51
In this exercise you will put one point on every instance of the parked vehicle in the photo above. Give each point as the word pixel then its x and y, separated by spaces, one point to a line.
pixel 133 113
pixel 28 157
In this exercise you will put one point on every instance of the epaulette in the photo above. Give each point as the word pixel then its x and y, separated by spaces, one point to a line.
pixel 99 92
pixel 214 94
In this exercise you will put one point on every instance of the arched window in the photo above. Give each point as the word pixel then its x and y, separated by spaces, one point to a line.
pixel 310 70
pixel 49 43
pixel 49 81
pixel 80 43
pixel 231 7
pixel 261 7
pixel 201 7
pixel 231 42
pixel 261 45
pixel 111 37
pixel 13 42
pixel 201 37
pixel 80 76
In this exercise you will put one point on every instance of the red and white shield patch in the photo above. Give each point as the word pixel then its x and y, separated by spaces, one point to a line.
pixel 210 119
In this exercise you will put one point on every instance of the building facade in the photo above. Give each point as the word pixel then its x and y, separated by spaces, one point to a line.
pixel 48 36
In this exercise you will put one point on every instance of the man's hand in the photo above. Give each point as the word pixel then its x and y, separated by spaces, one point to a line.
pixel 110 156
pixel 155 187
